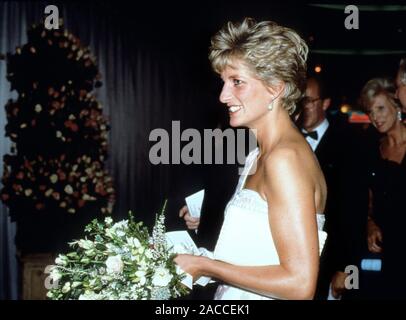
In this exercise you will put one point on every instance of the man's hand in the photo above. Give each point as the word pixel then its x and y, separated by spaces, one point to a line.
pixel 191 223
pixel 374 237
pixel 338 284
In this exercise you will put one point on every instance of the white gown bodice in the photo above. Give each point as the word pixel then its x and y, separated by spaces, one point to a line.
pixel 246 238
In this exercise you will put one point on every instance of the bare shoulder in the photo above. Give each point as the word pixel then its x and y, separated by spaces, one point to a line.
pixel 294 157
pixel 292 170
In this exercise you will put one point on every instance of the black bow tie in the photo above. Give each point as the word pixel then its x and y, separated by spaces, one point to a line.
pixel 311 134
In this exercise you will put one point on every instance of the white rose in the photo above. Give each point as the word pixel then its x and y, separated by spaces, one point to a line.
pixel 114 264
pixel 161 277
pixel 38 108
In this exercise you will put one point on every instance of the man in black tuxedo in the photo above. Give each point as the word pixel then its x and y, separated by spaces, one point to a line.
pixel 338 148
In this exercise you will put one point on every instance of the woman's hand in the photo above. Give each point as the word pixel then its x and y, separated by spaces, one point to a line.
pixel 374 237
pixel 190 264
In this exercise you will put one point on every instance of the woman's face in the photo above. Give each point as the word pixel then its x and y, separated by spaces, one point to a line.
pixel 401 91
pixel 245 96
pixel 382 113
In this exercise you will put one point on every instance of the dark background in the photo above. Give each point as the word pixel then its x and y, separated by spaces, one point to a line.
pixel 184 28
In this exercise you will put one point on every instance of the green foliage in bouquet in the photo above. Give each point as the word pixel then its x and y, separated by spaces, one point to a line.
pixel 118 261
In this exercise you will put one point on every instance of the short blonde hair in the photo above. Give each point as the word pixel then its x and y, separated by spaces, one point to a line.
pixel 272 52
pixel 375 87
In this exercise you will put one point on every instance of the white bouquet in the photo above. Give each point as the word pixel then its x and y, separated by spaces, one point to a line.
pixel 118 261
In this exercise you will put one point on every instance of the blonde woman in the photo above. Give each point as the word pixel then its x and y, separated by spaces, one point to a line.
pixel 387 217
pixel 268 246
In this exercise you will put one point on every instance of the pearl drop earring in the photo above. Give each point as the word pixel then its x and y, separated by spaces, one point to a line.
pixel 270 106
pixel 399 115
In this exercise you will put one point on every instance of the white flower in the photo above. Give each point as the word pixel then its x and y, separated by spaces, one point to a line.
pixel 134 242
pixel 38 108
pixel 48 192
pixel 53 178
pixel 160 293
pixel 86 197
pixel 112 248
pixel 120 233
pixel 66 287
pixel 114 264
pixel 161 277
pixel 108 220
pixel 55 275
pixel 109 233
pixel 61 260
pixel 68 189
pixel 120 225
pixel 148 253
pixel 85 244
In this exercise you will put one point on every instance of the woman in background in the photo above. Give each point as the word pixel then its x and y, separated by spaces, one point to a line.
pixel 387 217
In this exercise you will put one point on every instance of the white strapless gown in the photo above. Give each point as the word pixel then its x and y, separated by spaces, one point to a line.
pixel 245 238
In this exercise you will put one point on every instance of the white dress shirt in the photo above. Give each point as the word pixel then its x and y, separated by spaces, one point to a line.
pixel 320 129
